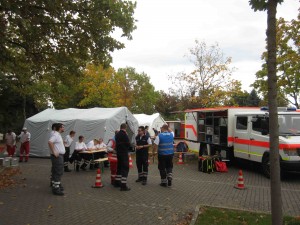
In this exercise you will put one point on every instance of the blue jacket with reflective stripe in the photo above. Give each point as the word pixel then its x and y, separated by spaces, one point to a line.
pixel 165 146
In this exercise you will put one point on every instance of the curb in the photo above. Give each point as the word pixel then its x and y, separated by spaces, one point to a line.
pixel 197 211
pixel 196 214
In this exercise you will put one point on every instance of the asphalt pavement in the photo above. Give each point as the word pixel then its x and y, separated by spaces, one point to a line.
pixel 31 201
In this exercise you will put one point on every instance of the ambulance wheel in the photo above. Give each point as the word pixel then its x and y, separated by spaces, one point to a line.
pixel 266 165
pixel 283 174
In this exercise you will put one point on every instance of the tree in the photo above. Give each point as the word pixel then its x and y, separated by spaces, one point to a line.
pixel 246 99
pixel 276 199
pixel 106 87
pixel 135 91
pixel 10 116
pixel 253 98
pixel 288 57
pixel 98 87
pixel 48 43
pixel 210 83
pixel 168 103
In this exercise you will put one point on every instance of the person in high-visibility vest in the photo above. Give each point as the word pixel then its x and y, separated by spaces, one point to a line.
pixel 163 144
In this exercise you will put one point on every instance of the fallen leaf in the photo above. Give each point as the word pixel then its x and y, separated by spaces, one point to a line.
pixel 160 218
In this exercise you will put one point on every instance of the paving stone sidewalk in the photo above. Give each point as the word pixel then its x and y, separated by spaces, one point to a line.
pixel 31 202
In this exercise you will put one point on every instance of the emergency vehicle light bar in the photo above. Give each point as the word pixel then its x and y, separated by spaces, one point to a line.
pixel 280 109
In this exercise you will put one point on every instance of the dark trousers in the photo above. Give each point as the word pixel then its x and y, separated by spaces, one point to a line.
pixel 66 156
pixel 98 155
pixel 122 167
pixel 165 166
pixel 57 169
pixel 142 162
pixel 75 156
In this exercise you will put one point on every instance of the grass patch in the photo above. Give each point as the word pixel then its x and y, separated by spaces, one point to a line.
pixel 216 216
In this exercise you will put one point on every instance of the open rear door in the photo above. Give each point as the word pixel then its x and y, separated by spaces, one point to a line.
pixel 241 137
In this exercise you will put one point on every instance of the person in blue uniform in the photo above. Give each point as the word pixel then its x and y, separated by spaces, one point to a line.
pixel 163 144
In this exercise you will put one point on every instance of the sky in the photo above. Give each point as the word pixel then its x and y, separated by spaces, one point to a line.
pixel 167 29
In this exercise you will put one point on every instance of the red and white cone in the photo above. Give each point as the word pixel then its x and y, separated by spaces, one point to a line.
pixel 180 161
pixel 130 162
pixel 149 161
pixel 240 185
pixel 98 183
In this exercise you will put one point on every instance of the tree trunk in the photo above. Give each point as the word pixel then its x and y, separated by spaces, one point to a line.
pixel 276 200
pixel 24 107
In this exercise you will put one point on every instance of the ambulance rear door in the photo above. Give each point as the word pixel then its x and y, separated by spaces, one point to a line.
pixel 241 136
pixel 191 128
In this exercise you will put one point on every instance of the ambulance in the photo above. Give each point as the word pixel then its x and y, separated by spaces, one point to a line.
pixel 243 132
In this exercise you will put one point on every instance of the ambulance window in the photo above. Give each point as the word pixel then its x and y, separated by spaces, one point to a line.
pixel 256 126
pixel 241 123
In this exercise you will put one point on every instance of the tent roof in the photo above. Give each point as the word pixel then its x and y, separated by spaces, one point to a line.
pixel 72 114
pixel 147 119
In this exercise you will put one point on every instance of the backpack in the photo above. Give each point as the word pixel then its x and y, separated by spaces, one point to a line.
pixel 220 166
pixel 208 165
pixel 182 147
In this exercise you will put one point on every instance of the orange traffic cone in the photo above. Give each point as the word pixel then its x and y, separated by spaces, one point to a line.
pixel 98 183
pixel 130 162
pixel 180 161
pixel 240 185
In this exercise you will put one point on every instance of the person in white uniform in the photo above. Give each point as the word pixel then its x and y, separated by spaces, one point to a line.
pixel 91 145
pixel 101 144
pixel 57 151
pixel 10 140
pixel 79 147
pixel 68 141
pixel 25 146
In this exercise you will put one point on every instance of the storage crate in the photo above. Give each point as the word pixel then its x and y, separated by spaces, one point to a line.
pixel 189 157
pixel 7 161
pixel 14 162
pixel 1 162
pixel 2 151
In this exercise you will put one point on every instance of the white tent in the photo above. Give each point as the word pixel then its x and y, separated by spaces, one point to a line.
pixel 91 123
pixel 153 121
